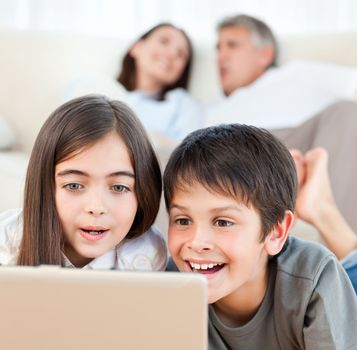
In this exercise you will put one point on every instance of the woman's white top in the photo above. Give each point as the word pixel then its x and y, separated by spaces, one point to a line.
pixel 175 117
pixel 147 252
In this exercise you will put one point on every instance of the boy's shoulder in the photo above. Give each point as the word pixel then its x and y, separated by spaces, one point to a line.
pixel 303 259
pixel 304 302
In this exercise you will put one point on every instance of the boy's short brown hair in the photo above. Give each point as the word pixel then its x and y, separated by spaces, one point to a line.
pixel 239 161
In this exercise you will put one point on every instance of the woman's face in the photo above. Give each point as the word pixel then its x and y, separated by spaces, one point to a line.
pixel 160 58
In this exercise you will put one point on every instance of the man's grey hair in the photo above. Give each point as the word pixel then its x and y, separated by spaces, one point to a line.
pixel 261 34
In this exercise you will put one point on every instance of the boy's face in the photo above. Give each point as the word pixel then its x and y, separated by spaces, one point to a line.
pixel 220 238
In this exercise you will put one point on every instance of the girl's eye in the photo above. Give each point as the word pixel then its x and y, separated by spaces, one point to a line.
pixel 73 186
pixel 120 188
pixel 182 221
pixel 223 223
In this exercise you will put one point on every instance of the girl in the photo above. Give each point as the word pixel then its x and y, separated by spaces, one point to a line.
pixel 155 71
pixel 92 192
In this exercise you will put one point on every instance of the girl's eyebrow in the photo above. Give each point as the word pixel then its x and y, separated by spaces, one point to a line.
pixel 83 173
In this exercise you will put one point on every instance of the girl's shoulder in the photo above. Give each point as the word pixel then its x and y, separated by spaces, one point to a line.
pixel 10 235
pixel 147 252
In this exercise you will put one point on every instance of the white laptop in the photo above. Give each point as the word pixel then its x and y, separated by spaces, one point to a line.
pixel 52 308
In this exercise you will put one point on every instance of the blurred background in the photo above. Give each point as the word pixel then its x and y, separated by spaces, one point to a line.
pixel 45 45
pixel 126 19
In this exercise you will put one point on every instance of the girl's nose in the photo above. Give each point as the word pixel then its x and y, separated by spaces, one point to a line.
pixel 95 205
pixel 96 212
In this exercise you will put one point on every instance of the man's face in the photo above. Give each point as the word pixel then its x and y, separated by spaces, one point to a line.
pixel 239 61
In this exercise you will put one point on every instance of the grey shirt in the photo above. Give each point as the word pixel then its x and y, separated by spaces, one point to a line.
pixel 309 304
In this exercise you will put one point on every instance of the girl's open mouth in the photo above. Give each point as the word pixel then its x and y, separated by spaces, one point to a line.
pixel 92 235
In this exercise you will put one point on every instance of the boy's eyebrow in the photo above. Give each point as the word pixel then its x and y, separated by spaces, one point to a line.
pixel 228 207
pixel 83 173
pixel 176 206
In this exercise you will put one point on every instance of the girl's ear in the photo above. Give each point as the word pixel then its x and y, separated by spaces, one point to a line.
pixel 275 240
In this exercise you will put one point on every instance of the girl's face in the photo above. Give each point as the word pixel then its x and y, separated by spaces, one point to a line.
pixel 161 57
pixel 95 199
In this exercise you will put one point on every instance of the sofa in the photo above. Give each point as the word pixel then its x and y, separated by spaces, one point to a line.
pixel 37 67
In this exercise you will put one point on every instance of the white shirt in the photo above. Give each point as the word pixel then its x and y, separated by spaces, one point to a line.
pixel 286 96
pixel 174 118
pixel 147 252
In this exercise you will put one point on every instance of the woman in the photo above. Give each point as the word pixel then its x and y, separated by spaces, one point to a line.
pixel 155 71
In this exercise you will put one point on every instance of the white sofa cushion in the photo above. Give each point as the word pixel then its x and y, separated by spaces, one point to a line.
pixel 7 135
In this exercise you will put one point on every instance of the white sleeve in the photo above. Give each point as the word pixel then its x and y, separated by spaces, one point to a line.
pixel 10 235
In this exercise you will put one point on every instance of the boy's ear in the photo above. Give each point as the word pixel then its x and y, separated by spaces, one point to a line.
pixel 275 240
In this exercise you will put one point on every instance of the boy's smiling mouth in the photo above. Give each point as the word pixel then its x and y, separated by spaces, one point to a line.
pixel 205 268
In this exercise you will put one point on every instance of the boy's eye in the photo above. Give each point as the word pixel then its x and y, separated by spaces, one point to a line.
pixel 223 223
pixel 120 188
pixel 182 221
pixel 73 186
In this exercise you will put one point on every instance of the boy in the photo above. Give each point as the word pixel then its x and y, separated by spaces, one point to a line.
pixel 230 192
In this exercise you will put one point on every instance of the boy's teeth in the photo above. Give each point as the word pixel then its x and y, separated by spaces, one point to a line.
pixel 203 266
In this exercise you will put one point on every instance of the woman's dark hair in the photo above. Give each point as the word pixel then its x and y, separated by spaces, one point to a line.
pixel 127 75
pixel 71 128
pixel 239 161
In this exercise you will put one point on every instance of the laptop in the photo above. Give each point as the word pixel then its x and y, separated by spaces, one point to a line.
pixel 52 308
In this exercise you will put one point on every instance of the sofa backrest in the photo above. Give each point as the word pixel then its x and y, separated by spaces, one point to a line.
pixel 36 67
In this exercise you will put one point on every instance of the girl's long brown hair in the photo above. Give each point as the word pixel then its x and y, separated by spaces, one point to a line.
pixel 75 125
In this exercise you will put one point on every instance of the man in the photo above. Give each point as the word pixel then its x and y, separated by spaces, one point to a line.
pixel 294 100
pixel 246 49
pixel 254 86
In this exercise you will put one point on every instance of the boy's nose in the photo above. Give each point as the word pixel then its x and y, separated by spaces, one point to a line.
pixel 200 239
